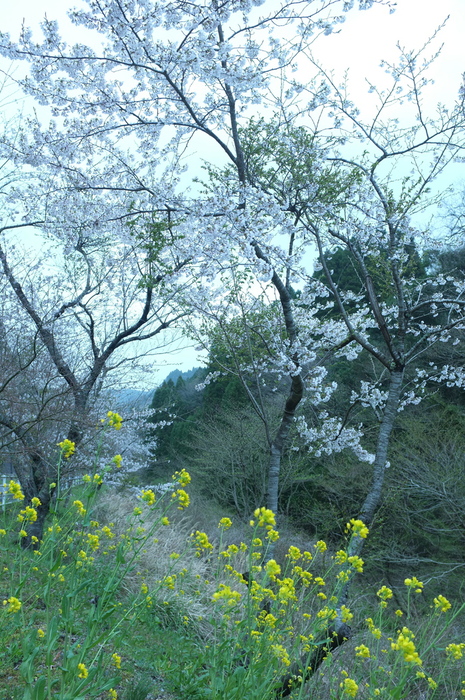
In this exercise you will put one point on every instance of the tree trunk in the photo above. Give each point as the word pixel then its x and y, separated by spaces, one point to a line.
pixel 373 497
pixel 277 446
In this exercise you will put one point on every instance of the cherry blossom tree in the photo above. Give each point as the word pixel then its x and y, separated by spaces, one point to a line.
pixel 104 181
pixel 91 296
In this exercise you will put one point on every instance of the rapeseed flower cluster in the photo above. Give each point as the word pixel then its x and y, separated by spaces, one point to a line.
pixel 14 605
pixel 281 653
pixel 117 460
pixel 272 569
pixel 183 498
pixel 375 631
pixel 385 594
pixel 201 542
pixel 148 497
pixel 67 447
pixel 414 583
pixel 455 651
pixel 357 528
pixel 183 477
pixel 28 515
pixel 406 645
pixel 304 575
pixel 225 523
pixel 294 553
pixel 349 687
pixel 83 672
pixel 266 518
pixel 114 420
pixel 356 563
pixel 286 591
pixel 80 507
pixel 15 489
pixel 441 603
pixel 362 651
pixel 226 594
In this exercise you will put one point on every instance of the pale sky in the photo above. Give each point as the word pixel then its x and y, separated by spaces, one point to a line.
pixel 364 39
pixel 362 42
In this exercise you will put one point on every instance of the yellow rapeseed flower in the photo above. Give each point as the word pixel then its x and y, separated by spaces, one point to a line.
pixel 93 541
pixel 341 557
pixel 15 489
pixel 406 645
pixel 226 594
pixel 272 568
pixel 455 651
pixel 281 653
pixel 114 420
pixel 272 535
pixel 67 447
pixel 14 605
pixel 265 517
pixel 414 583
pixel 36 502
pixel 362 651
pixel 116 660
pixel 80 507
pixel 286 590
pixel 83 672
pixel 357 563
pixel 294 553
pixel 183 477
pixel 28 514
pixel 346 615
pixel 201 541
pixel 384 593
pixel 349 687
pixel 358 528
pixel 375 631
pixel 148 497
pixel 441 603
pixel 183 498
pixel 117 461
pixel 225 523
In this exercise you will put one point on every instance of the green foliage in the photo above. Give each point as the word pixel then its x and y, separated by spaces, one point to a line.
pixel 423 516
pixel 286 160
pixel 154 237
pixel 177 407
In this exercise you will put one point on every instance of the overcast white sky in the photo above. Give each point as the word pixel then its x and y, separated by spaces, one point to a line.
pixel 363 41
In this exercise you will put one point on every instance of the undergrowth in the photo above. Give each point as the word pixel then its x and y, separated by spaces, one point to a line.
pixel 116 601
